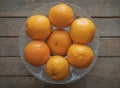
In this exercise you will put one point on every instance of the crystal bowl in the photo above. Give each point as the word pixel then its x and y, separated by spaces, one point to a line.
pixel 39 72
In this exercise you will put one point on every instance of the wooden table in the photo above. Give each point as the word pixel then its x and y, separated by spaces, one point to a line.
pixel 106 72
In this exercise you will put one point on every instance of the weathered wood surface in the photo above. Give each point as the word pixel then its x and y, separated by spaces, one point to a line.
pixel 108 47
pixel 105 26
pixel 85 82
pixel 12 66
pixel 104 66
pixel 106 71
pixel 93 7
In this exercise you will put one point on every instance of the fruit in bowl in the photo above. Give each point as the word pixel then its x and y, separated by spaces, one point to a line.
pixel 36 53
pixel 38 27
pixel 57 68
pixel 80 56
pixel 61 15
pixel 59 41
pixel 61 52
pixel 82 30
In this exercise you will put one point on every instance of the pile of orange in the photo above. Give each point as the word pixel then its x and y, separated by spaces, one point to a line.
pixel 59 43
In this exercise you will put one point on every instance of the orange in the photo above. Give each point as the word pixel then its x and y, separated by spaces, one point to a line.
pixel 38 27
pixel 59 42
pixel 36 53
pixel 80 56
pixel 57 68
pixel 61 15
pixel 82 31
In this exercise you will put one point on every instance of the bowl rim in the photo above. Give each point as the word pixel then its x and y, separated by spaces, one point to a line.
pixel 95 58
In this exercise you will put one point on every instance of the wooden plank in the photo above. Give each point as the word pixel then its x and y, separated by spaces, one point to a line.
pixel 11 26
pixel 108 26
pixel 93 7
pixel 9 47
pixel 105 27
pixel 12 66
pixel 104 66
pixel 85 82
pixel 108 47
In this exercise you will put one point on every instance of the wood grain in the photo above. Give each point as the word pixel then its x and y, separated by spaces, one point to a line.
pixel 93 7
pixel 105 26
pixel 12 66
pixel 104 66
pixel 11 26
pixel 106 71
pixel 108 26
pixel 9 47
pixel 108 47
pixel 85 82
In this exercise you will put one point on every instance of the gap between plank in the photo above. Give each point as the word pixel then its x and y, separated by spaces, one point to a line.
pixel 30 75
pixel 9 36
pixel 98 56
pixel 88 76
pixel 9 56
pixel 13 16
pixel 99 36
pixel 105 16
pixel 90 16
pixel 109 36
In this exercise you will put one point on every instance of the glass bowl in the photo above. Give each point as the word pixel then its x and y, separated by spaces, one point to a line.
pixel 39 72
